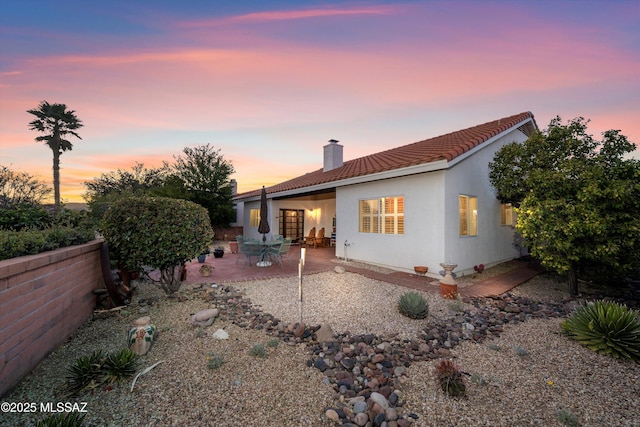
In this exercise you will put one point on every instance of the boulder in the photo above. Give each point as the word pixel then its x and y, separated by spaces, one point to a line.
pixel 204 318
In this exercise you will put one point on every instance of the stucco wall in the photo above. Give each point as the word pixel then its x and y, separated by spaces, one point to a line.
pixel 317 213
pixel 470 177
pixel 44 298
pixel 422 242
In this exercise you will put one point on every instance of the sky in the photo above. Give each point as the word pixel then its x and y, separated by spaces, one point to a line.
pixel 268 83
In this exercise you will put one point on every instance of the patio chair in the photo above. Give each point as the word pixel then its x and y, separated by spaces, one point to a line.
pixel 247 251
pixel 273 253
pixel 319 239
pixel 280 252
pixel 309 239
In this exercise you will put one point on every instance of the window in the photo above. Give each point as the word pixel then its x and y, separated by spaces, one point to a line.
pixel 507 216
pixel 384 215
pixel 468 212
pixel 254 217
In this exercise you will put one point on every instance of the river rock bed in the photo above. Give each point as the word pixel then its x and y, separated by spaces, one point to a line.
pixel 364 370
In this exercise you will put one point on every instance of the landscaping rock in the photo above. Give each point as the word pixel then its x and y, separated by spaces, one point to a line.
pixel 205 318
pixel 324 334
pixel 220 334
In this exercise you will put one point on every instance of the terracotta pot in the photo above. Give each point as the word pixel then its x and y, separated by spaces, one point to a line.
pixel 421 269
pixel 233 246
pixel 448 291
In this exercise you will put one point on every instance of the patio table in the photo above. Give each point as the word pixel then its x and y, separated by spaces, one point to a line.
pixel 264 248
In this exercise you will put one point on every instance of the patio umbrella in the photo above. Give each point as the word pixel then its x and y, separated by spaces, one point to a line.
pixel 263 227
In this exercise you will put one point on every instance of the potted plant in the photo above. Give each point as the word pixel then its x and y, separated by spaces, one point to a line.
pixel 218 252
pixel 233 246
pixel 202 257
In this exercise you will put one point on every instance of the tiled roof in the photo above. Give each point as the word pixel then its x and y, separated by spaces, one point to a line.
pixel 444 147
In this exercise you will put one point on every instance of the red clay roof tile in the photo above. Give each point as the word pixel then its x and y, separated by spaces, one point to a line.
pixel 448 146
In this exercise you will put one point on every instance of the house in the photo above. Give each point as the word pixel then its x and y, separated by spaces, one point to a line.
pixel 418 204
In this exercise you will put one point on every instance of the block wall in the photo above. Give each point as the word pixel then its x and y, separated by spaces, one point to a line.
pixel 44 298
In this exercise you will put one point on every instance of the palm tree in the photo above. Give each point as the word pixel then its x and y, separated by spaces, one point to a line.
pixel 56 122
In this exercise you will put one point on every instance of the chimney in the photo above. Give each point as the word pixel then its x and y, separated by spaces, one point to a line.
pixel 332 155
pixel 234 187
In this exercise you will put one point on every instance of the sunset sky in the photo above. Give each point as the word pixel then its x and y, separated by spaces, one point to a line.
pixel 270 82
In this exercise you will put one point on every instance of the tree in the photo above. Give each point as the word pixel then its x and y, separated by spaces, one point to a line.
pixel 112 186
pixel 56 122
pixel 20 188
pixel 204 173
pixel 577 199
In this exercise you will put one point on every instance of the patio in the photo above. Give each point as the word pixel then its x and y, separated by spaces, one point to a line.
pixel 226 270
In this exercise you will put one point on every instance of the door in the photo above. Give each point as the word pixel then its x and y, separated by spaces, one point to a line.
pixel 292 223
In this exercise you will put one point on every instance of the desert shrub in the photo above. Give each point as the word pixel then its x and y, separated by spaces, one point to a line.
pixel 450 378
pixel 567 418
pixel 159 232
pixel 258 350
pixel 606 327
pixel 413 305
pixel 520 351
pixel 273 342
pixel 214 360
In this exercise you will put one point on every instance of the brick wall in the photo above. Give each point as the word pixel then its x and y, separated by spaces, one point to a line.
pixel 44 298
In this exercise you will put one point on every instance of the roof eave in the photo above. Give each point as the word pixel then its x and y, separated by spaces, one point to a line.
pixel 489 141
pixel 394 173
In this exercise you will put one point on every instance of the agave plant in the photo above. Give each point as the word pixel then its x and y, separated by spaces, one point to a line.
pixel 119 365
pixel 62 419
pixel 413 305
pixel 83 374
pixel 607 328
pixel 89 372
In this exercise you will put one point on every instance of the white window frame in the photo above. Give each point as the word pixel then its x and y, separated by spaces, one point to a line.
pixel 374 218
pixel 507 215
pixel 468 215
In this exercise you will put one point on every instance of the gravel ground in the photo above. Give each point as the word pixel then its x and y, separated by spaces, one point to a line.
pixel 522 378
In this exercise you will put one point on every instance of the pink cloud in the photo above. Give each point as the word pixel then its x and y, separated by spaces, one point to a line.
pixel 288 15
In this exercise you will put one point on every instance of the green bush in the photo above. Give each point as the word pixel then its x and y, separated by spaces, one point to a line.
pixel 607 328
pixel 159 232
pixel 19 243
pixel 29 242
pixel 29 229
pixel 413 305
pixel 23 216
